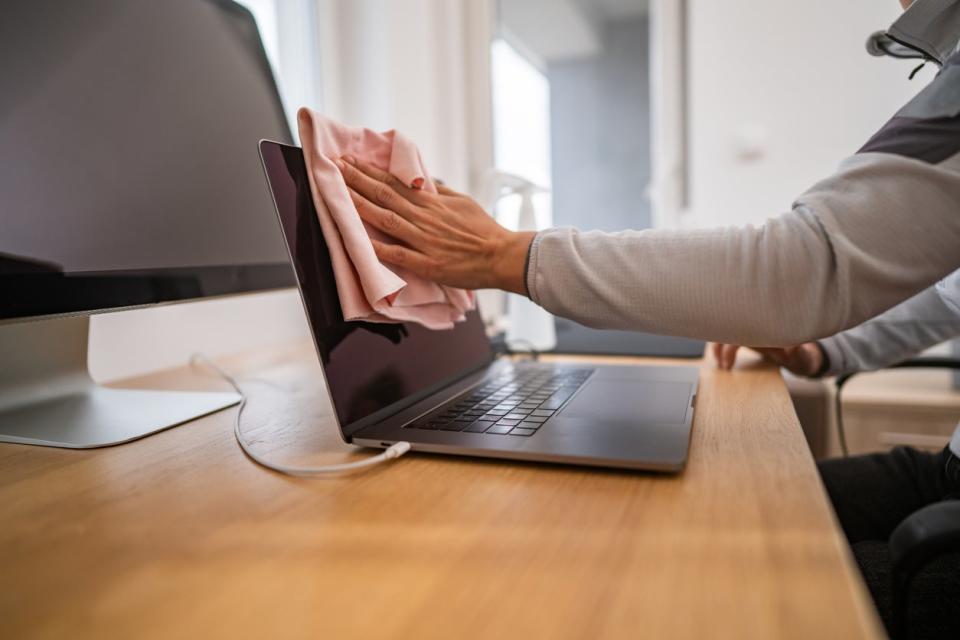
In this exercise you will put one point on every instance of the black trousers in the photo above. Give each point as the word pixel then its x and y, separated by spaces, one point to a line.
pixel 873 494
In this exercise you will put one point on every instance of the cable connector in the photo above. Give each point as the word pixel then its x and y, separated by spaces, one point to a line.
pixel 396 450
pixel 393 452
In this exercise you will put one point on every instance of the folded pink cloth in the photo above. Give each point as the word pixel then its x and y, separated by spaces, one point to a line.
pixel 369 289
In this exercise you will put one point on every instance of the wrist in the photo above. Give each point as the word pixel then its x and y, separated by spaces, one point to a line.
pixel 510 262
pixel 821 361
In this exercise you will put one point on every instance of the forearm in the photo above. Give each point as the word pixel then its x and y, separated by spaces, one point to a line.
pixel 855 245
pixel 898 334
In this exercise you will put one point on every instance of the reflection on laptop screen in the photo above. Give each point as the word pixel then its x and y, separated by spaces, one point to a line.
pixel 368 366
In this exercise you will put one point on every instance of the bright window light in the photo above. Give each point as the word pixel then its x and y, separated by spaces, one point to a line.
pixel 265 13
pixel 521 128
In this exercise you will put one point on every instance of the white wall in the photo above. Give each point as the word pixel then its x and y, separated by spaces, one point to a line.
pixel 792 80
pixel 403 65
pixel 129 343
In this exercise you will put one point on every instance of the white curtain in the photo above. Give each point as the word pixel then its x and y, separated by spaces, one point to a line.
pixel 420 66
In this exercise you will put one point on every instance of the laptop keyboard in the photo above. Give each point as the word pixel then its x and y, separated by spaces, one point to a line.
pixel 516 403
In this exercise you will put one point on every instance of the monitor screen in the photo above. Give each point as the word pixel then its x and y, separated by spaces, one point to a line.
pixel 128 164
pixel 370 367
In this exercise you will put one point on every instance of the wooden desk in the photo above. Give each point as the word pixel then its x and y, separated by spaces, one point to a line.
pixel 180 536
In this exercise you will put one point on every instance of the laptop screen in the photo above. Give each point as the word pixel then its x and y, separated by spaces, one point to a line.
pixel 372 369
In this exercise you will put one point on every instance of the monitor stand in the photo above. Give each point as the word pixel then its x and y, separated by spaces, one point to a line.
pixel 47 397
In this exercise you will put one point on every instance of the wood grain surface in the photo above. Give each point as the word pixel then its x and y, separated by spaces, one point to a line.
pixel 180 536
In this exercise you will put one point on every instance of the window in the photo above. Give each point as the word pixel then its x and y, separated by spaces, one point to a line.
pixel 521 125
pixel 571 107
pixel 288 29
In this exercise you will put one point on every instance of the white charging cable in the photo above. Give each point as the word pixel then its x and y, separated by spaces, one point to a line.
pixel 394 451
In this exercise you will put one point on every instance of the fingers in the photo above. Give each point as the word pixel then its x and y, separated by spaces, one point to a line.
pixel 801 359
pixel 401 256
pixel 783 356
pixel 390 222
pixel 444 190
pixel 378 186
pixel 725 355
pixel 729 356
pixel 379 192
pixel 791 358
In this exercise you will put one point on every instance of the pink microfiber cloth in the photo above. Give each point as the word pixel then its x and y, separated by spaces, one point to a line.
pixel 369 289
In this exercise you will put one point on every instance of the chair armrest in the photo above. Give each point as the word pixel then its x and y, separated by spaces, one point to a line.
pixel 924 535
pixel 924 362
pixel 921 538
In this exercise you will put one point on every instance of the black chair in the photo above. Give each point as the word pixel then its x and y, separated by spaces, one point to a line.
pixel 928 535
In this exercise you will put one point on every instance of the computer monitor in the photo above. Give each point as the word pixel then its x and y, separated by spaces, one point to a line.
pixel 129 176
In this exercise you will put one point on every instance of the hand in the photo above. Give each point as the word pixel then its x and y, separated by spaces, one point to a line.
pixel 444 237
pixel 804 360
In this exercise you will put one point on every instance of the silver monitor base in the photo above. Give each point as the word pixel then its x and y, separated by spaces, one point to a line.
pixel 47 397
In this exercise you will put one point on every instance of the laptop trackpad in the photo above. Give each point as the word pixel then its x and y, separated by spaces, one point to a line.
pixel 630 401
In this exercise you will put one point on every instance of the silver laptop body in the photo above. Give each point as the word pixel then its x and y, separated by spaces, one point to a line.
pixel 446 392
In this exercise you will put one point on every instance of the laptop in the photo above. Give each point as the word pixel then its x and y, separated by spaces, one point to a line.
pixel 574 338
pixel 446 391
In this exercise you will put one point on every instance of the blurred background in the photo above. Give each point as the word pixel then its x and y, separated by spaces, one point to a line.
pixel 635 112
pixel 627 113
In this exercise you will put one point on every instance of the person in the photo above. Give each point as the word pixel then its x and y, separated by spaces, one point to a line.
pixel 872 494
pixel 882 229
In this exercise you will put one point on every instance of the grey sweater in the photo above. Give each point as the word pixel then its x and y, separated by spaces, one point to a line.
pixel 904 331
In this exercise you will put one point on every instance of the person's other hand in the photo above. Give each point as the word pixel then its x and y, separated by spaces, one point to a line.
pixel 804 360
pixel 445 237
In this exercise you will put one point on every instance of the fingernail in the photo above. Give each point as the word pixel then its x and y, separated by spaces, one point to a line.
pixel 349 159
